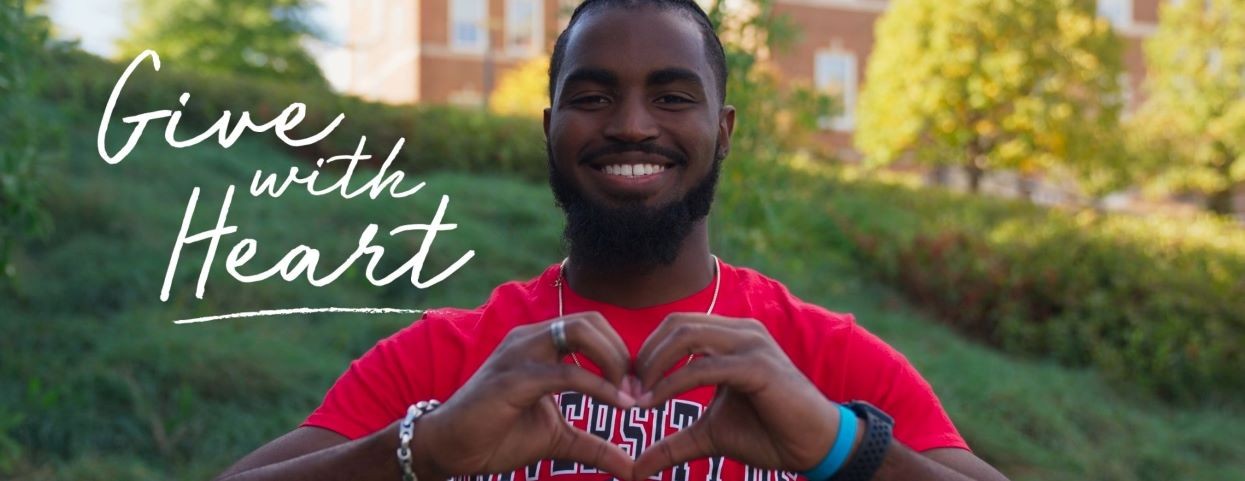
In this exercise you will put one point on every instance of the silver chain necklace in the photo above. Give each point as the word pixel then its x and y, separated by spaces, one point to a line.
pixel 717 284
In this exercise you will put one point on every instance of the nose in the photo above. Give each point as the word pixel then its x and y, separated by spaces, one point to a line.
pixel 631 122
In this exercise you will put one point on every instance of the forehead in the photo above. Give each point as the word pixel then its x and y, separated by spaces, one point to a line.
pixel 632 42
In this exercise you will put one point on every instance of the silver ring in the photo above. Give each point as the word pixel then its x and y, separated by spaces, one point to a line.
pixel 558 331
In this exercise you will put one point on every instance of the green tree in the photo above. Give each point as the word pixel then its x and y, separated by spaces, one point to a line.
pixel 253 37
pixel 988 84
pixel 771 120
pixel 771 123
pixel 1194 113
pixel 25 136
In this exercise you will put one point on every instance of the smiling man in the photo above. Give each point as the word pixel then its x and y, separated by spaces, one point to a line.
pixel 642 355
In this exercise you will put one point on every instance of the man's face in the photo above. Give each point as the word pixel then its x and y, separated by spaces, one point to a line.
pixel 635 133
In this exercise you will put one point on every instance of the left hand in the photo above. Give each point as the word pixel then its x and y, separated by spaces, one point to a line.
pixel 765 412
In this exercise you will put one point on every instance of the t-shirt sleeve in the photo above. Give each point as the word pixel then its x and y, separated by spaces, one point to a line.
pixel 882 376
pixel 848 363
pixel 376 388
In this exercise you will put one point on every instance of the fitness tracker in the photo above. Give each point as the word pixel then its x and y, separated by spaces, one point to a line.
pixel 877 440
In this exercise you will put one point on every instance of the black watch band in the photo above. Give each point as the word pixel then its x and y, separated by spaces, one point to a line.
pixel 877 440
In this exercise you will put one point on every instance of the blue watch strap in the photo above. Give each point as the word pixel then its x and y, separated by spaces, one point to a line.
pixel 848 424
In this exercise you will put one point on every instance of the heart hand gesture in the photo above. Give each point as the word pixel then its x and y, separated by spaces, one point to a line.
pixel 504 417
pixel 765 412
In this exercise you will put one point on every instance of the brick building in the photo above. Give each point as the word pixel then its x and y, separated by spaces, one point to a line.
pixel 453 51
pixel 443 51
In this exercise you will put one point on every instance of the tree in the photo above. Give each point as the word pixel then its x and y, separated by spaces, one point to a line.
pixel 522 90
pixel 1195 107
pixel 771 120
pixel 988 84
pixel 26 139
pixel 252 37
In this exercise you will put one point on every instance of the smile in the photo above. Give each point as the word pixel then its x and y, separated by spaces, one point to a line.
pixel 637 178
pixel 632 170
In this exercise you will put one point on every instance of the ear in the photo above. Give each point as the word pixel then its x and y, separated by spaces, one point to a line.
pixel 726 126
pixel 547 113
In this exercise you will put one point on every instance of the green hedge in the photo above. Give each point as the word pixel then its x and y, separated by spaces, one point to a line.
pixel 437 137
pixel 1158 303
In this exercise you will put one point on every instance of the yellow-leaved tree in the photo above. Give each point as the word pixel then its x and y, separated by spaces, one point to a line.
pixel 989 84
pixel 523 90
pixel 1194 114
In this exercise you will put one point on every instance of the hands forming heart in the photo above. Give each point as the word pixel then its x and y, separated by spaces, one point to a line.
pixel 765 413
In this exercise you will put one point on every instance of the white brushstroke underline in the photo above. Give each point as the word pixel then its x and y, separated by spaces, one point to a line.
pixel 301 310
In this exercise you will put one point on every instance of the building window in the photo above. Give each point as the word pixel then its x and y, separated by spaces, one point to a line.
pixel 1118 12
pixel 835 75
pixel 468 25
pixel 524 26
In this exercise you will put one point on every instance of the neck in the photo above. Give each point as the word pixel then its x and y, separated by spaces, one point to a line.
pixel 643 286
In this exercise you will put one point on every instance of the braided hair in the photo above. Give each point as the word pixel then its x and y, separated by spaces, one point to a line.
pixel 713 45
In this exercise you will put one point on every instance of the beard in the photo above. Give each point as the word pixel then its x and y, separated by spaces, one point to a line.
pixel 631 235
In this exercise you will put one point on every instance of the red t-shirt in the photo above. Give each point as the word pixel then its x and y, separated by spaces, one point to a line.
pixel 435 356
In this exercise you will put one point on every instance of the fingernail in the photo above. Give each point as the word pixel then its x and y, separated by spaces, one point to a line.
pixel 636 387
pixel 625 399
pixel 645 399
pixel 625 386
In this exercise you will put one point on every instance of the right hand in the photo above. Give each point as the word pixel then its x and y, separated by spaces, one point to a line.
pixel 505 418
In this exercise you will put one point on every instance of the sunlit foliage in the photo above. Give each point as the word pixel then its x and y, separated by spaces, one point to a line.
pixel 249 37
pixel 990 84
pixel 1195 111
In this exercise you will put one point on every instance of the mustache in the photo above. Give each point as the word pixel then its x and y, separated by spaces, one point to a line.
pixel 646 147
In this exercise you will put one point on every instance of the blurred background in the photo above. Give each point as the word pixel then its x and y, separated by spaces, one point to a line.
pixel 1040 202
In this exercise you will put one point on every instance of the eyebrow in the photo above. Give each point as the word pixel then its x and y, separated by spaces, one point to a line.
pixel 607 78
pixel 671 75
pixel 591 75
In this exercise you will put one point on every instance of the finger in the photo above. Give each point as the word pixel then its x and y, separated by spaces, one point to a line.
pixel 583 448
pixel 542 380
pixel 590 334
pixel 607 330
pixel 710 339
pixel 686 445
pixel 684 320
pixel 670 323
pixel 747 375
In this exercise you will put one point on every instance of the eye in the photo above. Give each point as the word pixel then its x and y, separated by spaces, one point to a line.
pixel 674 99
pixel 590 100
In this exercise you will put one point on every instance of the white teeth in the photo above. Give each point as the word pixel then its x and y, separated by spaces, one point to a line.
pixel 633 170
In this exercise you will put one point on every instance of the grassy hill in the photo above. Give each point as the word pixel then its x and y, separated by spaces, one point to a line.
pixel 96 383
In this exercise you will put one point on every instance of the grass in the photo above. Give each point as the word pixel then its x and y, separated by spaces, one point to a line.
pixel 97 384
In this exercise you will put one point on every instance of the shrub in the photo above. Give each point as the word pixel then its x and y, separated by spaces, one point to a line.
pixel 1154 301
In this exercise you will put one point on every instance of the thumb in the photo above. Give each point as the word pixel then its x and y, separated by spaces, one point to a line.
pixel 678 448
pixel 577 445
